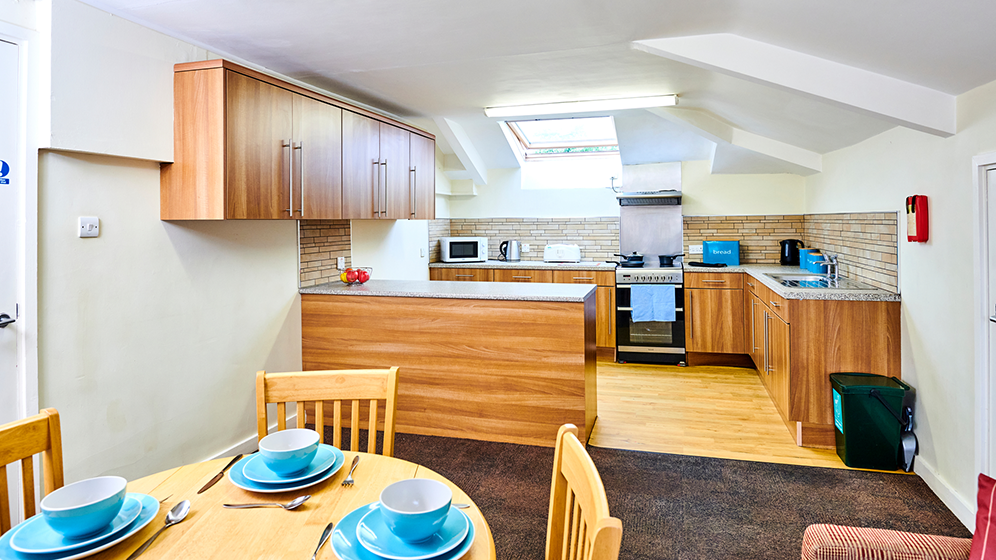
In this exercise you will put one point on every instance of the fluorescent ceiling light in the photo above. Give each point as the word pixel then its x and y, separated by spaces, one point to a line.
pixel 582 106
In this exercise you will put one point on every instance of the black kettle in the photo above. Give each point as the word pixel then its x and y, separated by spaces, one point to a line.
pixel 790 252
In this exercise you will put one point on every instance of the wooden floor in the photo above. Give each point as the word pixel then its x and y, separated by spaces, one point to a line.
pixel 707 411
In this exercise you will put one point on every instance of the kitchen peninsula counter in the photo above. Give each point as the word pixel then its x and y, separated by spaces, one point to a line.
pixel 491 361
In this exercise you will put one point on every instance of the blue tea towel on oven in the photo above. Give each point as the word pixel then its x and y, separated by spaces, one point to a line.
pixel 652 302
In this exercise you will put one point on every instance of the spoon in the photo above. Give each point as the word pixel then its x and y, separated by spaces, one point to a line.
pixel 174 516
pixel 325 536
pixel 288 506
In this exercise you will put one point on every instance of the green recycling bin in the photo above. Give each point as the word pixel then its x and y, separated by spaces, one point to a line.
pixel 870 415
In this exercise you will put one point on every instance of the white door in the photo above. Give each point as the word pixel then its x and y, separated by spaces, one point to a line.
pixel 10 186
pixel 990 187
pixel 9 205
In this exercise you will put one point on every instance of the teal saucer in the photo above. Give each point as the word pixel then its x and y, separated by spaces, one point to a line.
pixel 237 478
pixel 374 534
pixel 36 536
pixel 347 547
pixel 257 471
pixel 149 510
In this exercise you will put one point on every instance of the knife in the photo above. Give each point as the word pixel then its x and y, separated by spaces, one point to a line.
pixel 218 476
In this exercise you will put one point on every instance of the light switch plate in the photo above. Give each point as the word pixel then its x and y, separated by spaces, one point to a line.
pixel 89 226
pixel 525 248
pixel 695 249
pixel 340 262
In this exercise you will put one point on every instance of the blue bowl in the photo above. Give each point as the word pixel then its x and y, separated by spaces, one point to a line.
pixel 289 451
pixel 415 508
pixel 85 507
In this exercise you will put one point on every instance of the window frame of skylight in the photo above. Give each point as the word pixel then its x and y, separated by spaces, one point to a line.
pixel 529 149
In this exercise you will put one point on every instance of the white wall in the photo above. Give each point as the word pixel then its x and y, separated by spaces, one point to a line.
pixel 705 194
pixel 396 249
pixel 151 334
pixel 19 12
pixel 504 197
pixel 935 278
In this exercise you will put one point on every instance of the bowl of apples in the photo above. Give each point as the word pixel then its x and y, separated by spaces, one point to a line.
pixel 356 275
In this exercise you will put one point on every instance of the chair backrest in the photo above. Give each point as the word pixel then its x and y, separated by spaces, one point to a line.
pixel 20 441
pixel 355 387
pixel 579 527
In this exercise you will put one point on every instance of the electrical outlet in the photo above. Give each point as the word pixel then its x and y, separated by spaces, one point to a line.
pixel 525 248
pixel 695 249
pixel 89 226
pixel 340 262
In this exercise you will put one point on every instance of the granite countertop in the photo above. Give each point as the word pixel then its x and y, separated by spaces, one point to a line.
pixel 508 291
pixel 761 272
pixel 534 265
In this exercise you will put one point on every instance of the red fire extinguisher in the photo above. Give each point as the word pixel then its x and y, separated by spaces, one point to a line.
pixel 916 218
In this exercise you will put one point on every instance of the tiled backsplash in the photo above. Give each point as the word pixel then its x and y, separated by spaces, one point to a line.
pixel 867 245
pixel 322 241
pixel 758 235
pixel 597 237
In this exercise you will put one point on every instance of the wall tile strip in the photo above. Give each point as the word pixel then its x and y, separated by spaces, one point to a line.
pixel 437 229
pixel 866 244
pixel 321 242
pixel 758 235
pixel 597 237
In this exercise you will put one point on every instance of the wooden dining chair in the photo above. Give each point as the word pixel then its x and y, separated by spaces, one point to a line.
pixel 20 441
pixel 579 527
pixel 339 386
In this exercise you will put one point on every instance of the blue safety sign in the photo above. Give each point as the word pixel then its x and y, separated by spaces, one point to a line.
pixel 4 170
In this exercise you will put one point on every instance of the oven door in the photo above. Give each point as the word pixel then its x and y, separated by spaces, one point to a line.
pixel 649 341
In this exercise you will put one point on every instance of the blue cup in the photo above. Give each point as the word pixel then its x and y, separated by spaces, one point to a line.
pixel 85 507
pixel 415 508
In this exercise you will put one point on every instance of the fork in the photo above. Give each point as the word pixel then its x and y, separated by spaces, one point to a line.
pixel 349 477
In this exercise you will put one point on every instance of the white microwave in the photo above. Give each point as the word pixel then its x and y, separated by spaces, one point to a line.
pixel 463 249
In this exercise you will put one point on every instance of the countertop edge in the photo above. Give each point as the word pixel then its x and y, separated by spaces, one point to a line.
pixel 531 265
pixel 338 289
pixel 760 273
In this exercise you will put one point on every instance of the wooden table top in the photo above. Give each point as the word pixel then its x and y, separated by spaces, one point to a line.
pixel 211 531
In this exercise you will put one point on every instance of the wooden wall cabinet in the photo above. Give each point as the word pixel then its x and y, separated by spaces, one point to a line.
pixel 250 146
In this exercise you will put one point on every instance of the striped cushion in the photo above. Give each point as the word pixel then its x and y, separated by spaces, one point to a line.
pixel 984 539
pixel 836 542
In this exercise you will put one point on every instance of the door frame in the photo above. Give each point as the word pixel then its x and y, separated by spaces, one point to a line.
pixel 31 126
pixel 981 164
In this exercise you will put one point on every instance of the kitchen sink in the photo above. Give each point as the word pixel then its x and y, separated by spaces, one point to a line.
pixel 818 281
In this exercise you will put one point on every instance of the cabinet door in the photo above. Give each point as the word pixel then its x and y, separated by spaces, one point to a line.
pixel 460 274
pixel 360 165
pixel 259 130
pixel 754 339
pixel 761 354
pixel 509 275
pixel 605 316
pixel 317 159
pixel 574 277
pixel 395 172
pixel 715 321
pixel 423 178
pixel 779 362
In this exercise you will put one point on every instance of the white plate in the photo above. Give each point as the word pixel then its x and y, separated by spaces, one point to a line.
pixel 150 508
pixel 236 477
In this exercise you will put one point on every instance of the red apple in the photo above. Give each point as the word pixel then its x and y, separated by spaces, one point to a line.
pixel 362 275
pixel 350 275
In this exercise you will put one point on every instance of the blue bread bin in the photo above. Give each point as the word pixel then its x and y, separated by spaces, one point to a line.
pixel 812 265
pixel 725 252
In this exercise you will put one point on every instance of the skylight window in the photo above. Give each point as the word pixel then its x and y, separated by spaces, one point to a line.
pixel 549 138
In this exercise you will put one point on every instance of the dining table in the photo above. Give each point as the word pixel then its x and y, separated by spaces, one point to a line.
pixel 211 531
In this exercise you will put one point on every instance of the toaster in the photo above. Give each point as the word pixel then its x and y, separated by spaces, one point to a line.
pixel 562 253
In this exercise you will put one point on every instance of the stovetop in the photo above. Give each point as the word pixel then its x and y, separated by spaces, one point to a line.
pixel 648 275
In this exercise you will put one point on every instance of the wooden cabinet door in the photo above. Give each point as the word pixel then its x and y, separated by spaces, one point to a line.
pixel 317 159
pixel 460 274
pixel 360 166
pixel 395 173
pixel 605 316
pixel 779 362
pixel 259 128
pixel 509 275
pixel 715 321
pixel 423 178
pixel 753 321
pixel 574 277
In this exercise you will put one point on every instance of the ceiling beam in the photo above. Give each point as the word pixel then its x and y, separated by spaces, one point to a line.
pixel 464 149
pixel 802 161
pixel 903 103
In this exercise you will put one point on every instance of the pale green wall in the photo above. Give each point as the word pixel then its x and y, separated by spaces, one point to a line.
pixel 936 278
pixel 705 194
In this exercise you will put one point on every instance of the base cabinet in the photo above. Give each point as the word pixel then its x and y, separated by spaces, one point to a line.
pixel 461 274
pixel 714 321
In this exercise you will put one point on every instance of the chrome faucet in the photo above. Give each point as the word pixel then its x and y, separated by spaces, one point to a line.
pixel 833 268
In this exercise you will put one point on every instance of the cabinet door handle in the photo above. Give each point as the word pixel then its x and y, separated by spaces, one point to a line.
pixel 749 284
pixel 691 313
pixel 582 278
pixel 526 277
pixel 715 281
pixel 412 179
pixel 300 164
pixel 464 275
pixel 376 187
pixel 753 338
pixel 290 175
pixel 767 345
pixel 773 304
pixel 384 187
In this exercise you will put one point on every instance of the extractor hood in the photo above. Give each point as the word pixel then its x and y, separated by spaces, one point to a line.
pixel 650 198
